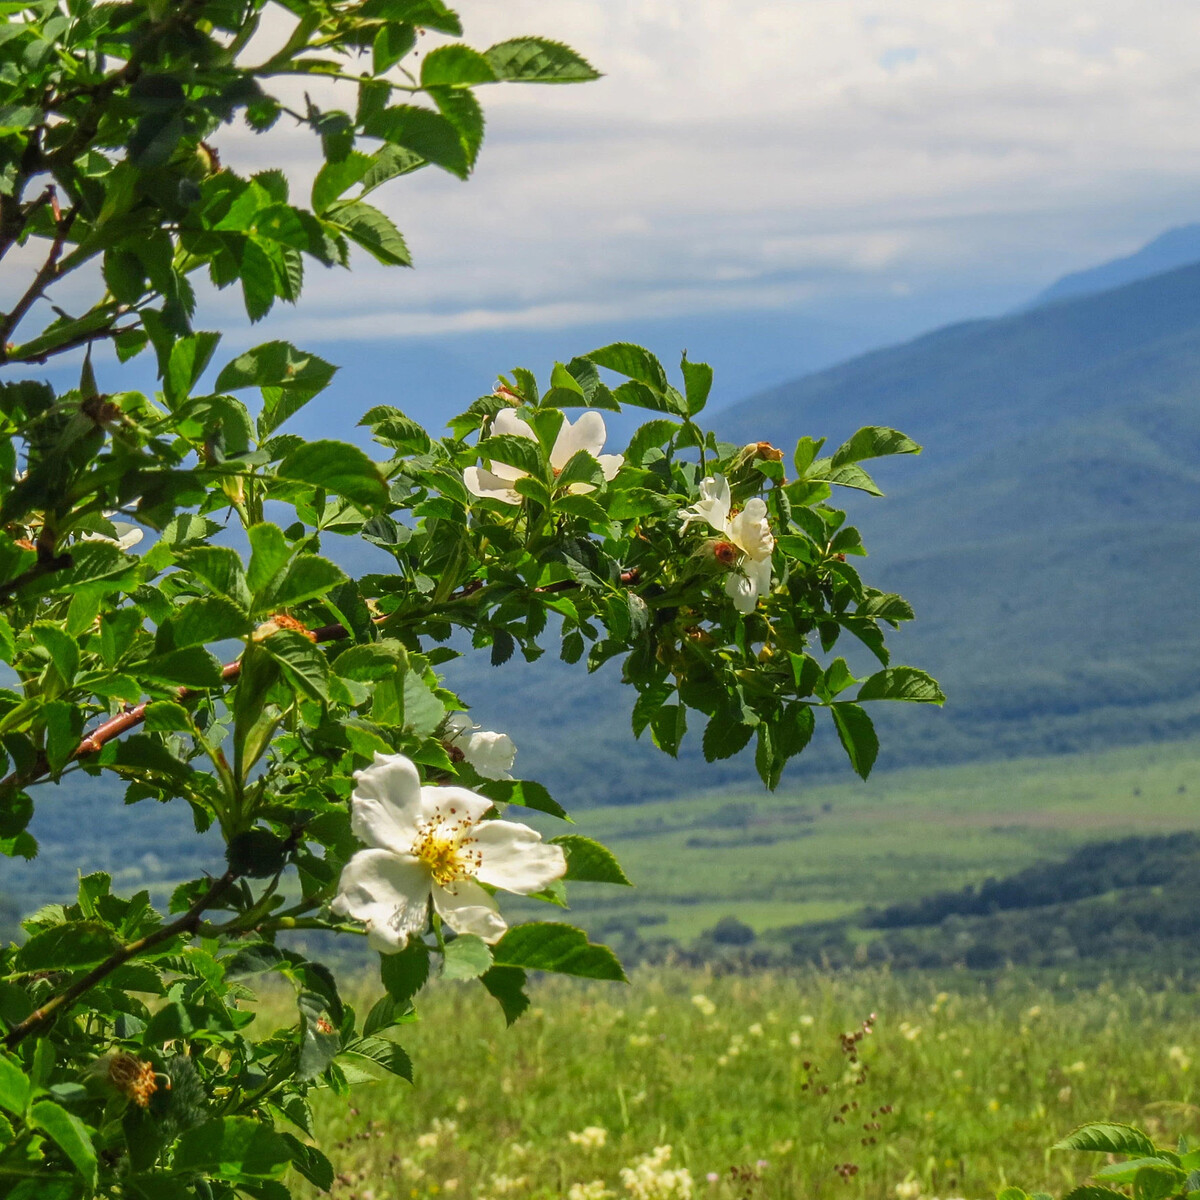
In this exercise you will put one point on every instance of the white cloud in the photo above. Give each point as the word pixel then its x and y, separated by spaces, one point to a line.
pixel 774 152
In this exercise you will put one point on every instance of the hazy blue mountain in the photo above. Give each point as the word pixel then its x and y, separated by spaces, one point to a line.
pixel 1178 247
pixel 1049 536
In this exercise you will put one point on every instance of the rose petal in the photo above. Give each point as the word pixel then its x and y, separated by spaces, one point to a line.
pixel 386 803
pixel 491 754
pixel 506 423
pixel 437 803
pixel 389 893
pixel 610 464
pixel 515 858
pixel 713 505
pixel 743 591
pixel 467 908
pixel 588 433
pixel 488 485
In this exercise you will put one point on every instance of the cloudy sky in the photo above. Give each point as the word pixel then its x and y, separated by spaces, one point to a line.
pixel 789 154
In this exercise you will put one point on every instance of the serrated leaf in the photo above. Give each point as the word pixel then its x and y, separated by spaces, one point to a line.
pixel 590 862
pixel 334 179
pixel 634 362
pixel 69 1133
pixel 234 1148
pixel 466 957
pixel 550 946
pixel 902 683
pixel 874 441
pixel 456 65
pixel 697 383
pixel 424 132
pixel 507 986
pixel 1106 1137
pixel 373 231
pixel 538 60
pixel 857 733
pixel 14 1086
pixel 724 737
pixel 524 792
pixel 339 468
pixel 404 974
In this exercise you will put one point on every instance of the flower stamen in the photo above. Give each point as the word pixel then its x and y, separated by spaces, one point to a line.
pixel 442 845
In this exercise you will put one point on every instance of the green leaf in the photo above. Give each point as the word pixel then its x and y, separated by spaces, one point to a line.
pixel 269 553
pixel 466 957
pixel 303 662
pixel 550 946
pixel 846 475
pixel 589 861
pixel 208 619
pixel 697 383
pixel 391 44
pixel 1156 1181
pixel 423 711
pixel 374 231
pixel 902 683
pixel 383 1053
pixel 339 468
pixel 310 1162
pixel 221 568
pixel 507 985
pixel 521 452
pixel 64 728
pixel 165 716
pixel 67 947
pixel 875 441
pixel 308 577
pixel 1092 1191
pixel 1106 1137
pixel 456 65
pixel 192 667
pixel 404 974
pixel 538 60
pixel 423 131
pixel 524 792
pixel 334 179
pixel 234 1148
pixel 14 1086
pixel 70 1134
pixel 724 737
pixel 635 362
pixel 60 646
pixel 319 1040
pixel 288 377
pixel 857 733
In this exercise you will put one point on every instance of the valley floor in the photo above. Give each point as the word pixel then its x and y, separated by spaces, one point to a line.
pixel 963 1088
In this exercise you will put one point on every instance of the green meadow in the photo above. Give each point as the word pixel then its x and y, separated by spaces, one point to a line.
pixel 820 850
pixel 960 1088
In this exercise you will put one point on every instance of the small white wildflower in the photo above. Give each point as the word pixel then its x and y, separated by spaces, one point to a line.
pixel 704 1004
pixel 593 1190
pixel 592 1137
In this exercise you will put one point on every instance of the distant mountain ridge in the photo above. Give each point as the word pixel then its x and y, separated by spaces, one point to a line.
pixel 1049 536
pixel 1179 247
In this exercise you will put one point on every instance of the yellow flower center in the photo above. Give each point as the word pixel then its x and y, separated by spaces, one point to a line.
pixel 443 846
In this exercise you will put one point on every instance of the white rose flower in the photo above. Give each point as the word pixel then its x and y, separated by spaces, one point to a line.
pixel 432 842
pixel 746 531
pixel 123 542
pixel 491 754
pixel 588 433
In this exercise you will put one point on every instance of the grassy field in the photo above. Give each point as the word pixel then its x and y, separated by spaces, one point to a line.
pixel 963 1089
pixel 830 848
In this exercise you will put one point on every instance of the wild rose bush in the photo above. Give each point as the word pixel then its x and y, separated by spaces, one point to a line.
pixel 352 792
